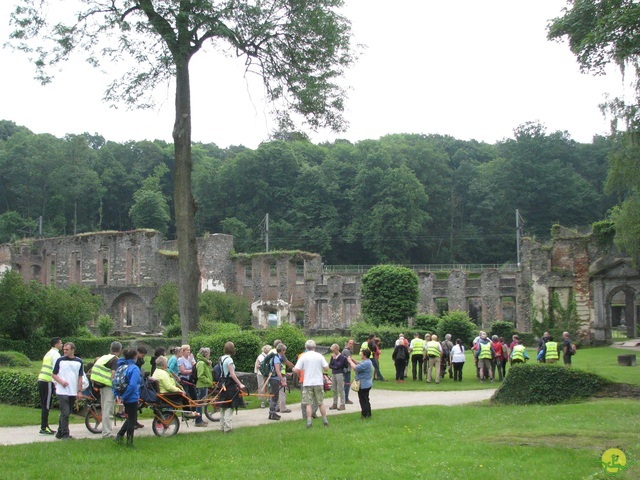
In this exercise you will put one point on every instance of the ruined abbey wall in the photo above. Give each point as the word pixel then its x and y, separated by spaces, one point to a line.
pixel 127 269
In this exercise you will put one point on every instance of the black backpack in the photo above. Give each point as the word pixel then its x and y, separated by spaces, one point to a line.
pixel 218 371
pixel 193 378
pixel 266 364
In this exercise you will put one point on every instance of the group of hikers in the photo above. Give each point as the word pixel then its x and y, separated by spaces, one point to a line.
pixel 188 379
pixel 491 355
pixel 117 378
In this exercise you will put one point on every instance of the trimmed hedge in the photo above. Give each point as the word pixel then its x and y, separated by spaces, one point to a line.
pixel 19 389
pixel 533 383
pixel 14 359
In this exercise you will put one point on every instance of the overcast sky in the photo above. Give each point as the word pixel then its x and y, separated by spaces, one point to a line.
pixel 467 68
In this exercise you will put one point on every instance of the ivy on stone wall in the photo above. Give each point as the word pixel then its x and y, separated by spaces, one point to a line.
pixel 558 319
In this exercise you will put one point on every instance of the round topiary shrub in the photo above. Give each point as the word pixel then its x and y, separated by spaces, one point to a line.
pixel 531 383
pixel 14 359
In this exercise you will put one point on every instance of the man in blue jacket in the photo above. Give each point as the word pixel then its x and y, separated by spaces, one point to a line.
pixel 129 397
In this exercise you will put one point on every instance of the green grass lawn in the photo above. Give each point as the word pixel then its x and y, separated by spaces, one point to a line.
pixel 494 442
pixel 600 360
pixel 484 441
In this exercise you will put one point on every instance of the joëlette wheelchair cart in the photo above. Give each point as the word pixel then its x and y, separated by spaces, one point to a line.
pixel 169 408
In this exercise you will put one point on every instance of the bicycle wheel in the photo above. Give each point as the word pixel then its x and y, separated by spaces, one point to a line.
pixel 212 412
pixel 93 419
pixel 165 423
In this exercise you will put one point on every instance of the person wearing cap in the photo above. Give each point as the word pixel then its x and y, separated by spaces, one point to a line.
pixel 485 355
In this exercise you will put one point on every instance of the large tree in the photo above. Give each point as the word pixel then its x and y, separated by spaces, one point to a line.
pixel 603 33
pixel 298 47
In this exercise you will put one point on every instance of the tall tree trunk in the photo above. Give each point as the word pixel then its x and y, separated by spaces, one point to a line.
pixel 184 204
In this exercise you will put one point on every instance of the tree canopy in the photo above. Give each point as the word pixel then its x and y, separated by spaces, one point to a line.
pixel 298 47
pixel 389 295
pixel 403 198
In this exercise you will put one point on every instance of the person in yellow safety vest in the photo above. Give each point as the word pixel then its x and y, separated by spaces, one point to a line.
pixel 434 356
pixel 519 353
pixel 485 355
pixel 102 375
pixel 416 349
pixel 45 384
pixel 551 354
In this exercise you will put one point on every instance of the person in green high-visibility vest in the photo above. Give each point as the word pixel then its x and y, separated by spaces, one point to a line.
pixel 416 348
pixel 102 375
pixel 551 351
pixel 485 355
pixel 434 357
pixel 45 384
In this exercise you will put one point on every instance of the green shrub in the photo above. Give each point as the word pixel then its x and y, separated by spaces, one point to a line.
pixel 328 340
pixel 218 328
pixel 166 304
pixel 105 325
pixel 14 359
pixel 459 325
pixel 20 306
pixel 532 383
pixel 224 307
pixel 19 388
pixel 502 329
pixel 174 329
pixel 291 335
pixel 425 323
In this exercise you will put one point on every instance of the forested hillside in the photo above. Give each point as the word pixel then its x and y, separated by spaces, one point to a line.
pixel 402 198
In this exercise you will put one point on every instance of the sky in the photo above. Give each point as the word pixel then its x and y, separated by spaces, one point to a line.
pixel 466 68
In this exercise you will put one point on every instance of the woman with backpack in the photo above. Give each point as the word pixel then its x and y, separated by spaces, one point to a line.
pixel 230 395
pixel 129 396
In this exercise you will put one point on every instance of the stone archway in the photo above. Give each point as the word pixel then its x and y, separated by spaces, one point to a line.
pixel 621 309
pixel 130 313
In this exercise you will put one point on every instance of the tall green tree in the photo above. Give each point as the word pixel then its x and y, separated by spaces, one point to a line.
pixel 150 208
pixel 603 33
pixel 389 295
pixel 298 47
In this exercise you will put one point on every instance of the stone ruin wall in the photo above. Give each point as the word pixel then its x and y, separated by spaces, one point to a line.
pixel 127 268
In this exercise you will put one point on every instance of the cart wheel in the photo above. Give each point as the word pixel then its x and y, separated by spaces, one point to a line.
pixel 212 412
pixel 165 423
pixel 93 419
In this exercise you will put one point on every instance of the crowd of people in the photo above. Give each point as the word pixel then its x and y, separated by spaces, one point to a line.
pixel 186 378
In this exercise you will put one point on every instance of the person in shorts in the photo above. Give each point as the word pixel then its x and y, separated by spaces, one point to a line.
pixel 314 366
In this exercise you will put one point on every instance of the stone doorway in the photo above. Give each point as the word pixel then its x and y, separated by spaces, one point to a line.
pixel 622 310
